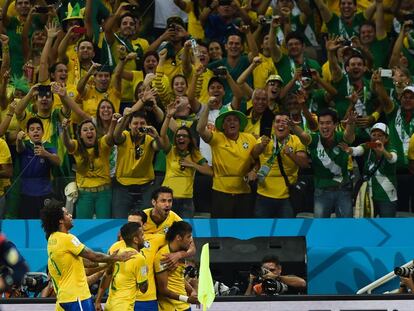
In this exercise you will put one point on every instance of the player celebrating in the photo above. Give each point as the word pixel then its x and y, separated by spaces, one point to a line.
pixel 64 259
pixel 171 282
pixel 127 275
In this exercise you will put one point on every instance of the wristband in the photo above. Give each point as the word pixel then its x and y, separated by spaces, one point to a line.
pixel 183 298
pixel 375 115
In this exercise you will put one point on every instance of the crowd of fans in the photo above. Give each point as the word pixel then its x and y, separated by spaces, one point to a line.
pixel 231 103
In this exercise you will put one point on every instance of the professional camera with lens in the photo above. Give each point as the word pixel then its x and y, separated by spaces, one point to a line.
pixel 273 287
pixel 190 271
pixel 405 272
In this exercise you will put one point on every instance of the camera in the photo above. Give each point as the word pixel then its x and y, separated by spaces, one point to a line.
pixel 265 20
pixel 220 71
pixel 273 287
pixel 225 2
pixel 148 104
pixel 190 271
pixel 134 9
pixel 144 130
pixel 405 272
pixel 42 9
pixel 306 72
pixel 138 152
pixel 44 90
pixel 346 42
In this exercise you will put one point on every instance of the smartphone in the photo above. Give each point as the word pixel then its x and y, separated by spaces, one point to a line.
pixel 386 73
pixel 371 144
pixel 42 9
pixel 79 30
pixel 134 9
pixel 44 90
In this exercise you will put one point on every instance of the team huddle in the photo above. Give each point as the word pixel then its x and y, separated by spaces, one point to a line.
pixel 144 269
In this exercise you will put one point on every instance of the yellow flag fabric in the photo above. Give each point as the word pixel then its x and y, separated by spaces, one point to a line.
pixel 205 281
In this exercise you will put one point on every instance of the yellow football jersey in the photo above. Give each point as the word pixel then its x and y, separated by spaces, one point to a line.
pixel 132 171
pixel 176 283
pixel 274 185
pixel 181 181
pixel 232 161
pixel 95 171
pixel 151 227
pixel 152 243
pixel 66 267
pixel 125 280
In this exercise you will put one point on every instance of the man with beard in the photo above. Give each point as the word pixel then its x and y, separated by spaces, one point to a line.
pixel 129 276
pixel 134 168
pixel 175 294
pixel 273 194
pixel 295 59
pixel 330 164
pixel 352 87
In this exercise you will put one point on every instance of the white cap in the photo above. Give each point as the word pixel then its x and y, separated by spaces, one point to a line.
pixel 380 126
pixel 409 88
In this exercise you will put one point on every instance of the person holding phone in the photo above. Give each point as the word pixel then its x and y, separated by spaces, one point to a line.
pixel 380 167
pixel 36 160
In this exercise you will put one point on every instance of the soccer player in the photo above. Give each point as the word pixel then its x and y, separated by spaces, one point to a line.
pixel 65 263
pixel 160 216
pixel 153 242
pixel 175 293
pixel 131 275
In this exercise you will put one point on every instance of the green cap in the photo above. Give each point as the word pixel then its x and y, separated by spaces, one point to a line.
pixel 226 111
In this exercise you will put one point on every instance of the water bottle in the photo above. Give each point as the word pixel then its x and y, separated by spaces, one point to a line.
pixel 262 173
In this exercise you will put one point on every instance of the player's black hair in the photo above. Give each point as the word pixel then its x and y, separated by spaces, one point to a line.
pixel 162 189
pixel 137 212
pixel 178 228
pixel 50 215
pixel 129 231
pixel 272 259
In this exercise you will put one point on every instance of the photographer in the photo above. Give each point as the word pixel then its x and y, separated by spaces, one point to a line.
pixel 269 281
pixel 271 269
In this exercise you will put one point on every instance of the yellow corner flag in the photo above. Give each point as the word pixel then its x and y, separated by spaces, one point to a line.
pixel 205 281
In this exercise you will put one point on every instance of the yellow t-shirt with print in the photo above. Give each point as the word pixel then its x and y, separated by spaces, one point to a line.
pixel 263 71
pixel 151 227
pixel 231 162
pixel 181 181
pixel 274 185
pixel 5 158
pixel 125 280
pixel 66 267
pixel 116 246
pixel 176 283
pixel 93 97
pixel 152 243
pixel 95 171
pixel 411 148
pixel 132 171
